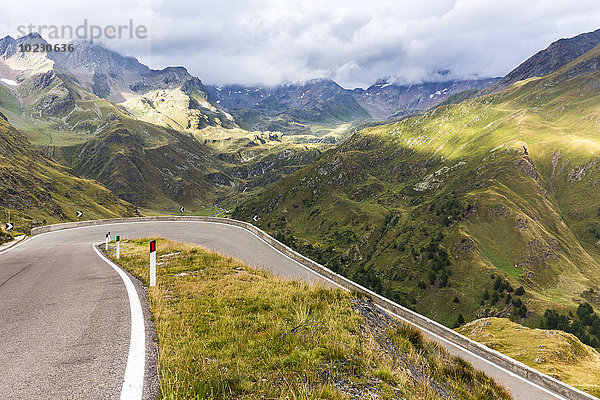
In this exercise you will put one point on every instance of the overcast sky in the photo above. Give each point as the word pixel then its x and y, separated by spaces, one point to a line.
pixel 352 42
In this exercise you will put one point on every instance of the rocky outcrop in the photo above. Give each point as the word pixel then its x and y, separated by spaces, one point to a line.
pixel 555 158
pixel 578 173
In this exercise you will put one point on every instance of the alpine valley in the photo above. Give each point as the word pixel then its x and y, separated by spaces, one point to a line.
pixel 461 199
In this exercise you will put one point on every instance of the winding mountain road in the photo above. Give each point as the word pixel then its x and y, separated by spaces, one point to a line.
pixel 66 316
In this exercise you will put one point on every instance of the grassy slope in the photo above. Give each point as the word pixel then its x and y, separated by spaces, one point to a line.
pixel 162 177
pixel 35 188
pixel 555 353
pixel 226 330
pixel 480 172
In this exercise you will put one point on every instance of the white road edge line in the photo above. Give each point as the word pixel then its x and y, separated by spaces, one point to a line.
pixel 556 395
pixel 15 245
pixel 133 382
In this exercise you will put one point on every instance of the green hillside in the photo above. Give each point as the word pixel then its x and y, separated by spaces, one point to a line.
pixel 555 353
pixel 452 211
pixel 38 190
pixel 164 176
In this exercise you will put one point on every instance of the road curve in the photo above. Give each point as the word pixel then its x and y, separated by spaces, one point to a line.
pixel 66 318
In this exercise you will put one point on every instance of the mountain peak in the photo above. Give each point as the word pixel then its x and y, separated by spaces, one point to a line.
pixel 33 35
pixel 555 56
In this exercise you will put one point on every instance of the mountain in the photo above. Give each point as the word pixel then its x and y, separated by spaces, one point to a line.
pixel 451 211
pixel 552 58
pixel 179 172
pixel 289 107
pixel 385 100
pixel 65 102
pixel 57 92
pixel 36 189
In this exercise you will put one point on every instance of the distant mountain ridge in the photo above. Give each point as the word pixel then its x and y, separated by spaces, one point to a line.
pixel 319 101
pixel 323 100
pixel 92 72
pixel 386 99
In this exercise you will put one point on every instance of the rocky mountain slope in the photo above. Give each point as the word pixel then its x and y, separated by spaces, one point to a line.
pixel 289 107
pixel 546 61
pixel 452 211
pixel 385 99
pixel 36 189
pixel 59 96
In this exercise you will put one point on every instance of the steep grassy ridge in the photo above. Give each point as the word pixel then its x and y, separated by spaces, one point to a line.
pixel 427 209
pixel 36 189
pixel 165 176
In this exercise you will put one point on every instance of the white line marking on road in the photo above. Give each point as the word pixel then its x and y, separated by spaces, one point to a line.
pixel 133 382
pixel 14 246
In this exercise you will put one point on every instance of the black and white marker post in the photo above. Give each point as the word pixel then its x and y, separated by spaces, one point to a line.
pixel 118 247
pixel 106 241
pixel 153 263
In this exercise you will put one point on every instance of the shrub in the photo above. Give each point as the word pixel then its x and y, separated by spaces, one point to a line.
pixel 520 291
pixel 517 302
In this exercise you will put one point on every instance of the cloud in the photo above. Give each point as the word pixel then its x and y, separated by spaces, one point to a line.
pixel 352 41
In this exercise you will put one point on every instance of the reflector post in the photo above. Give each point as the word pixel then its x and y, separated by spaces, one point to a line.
pixel 153 263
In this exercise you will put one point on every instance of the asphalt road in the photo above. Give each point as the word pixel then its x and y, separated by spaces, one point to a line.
pixel 65 325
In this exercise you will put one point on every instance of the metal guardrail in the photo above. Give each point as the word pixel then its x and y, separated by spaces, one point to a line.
pixel 414 318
